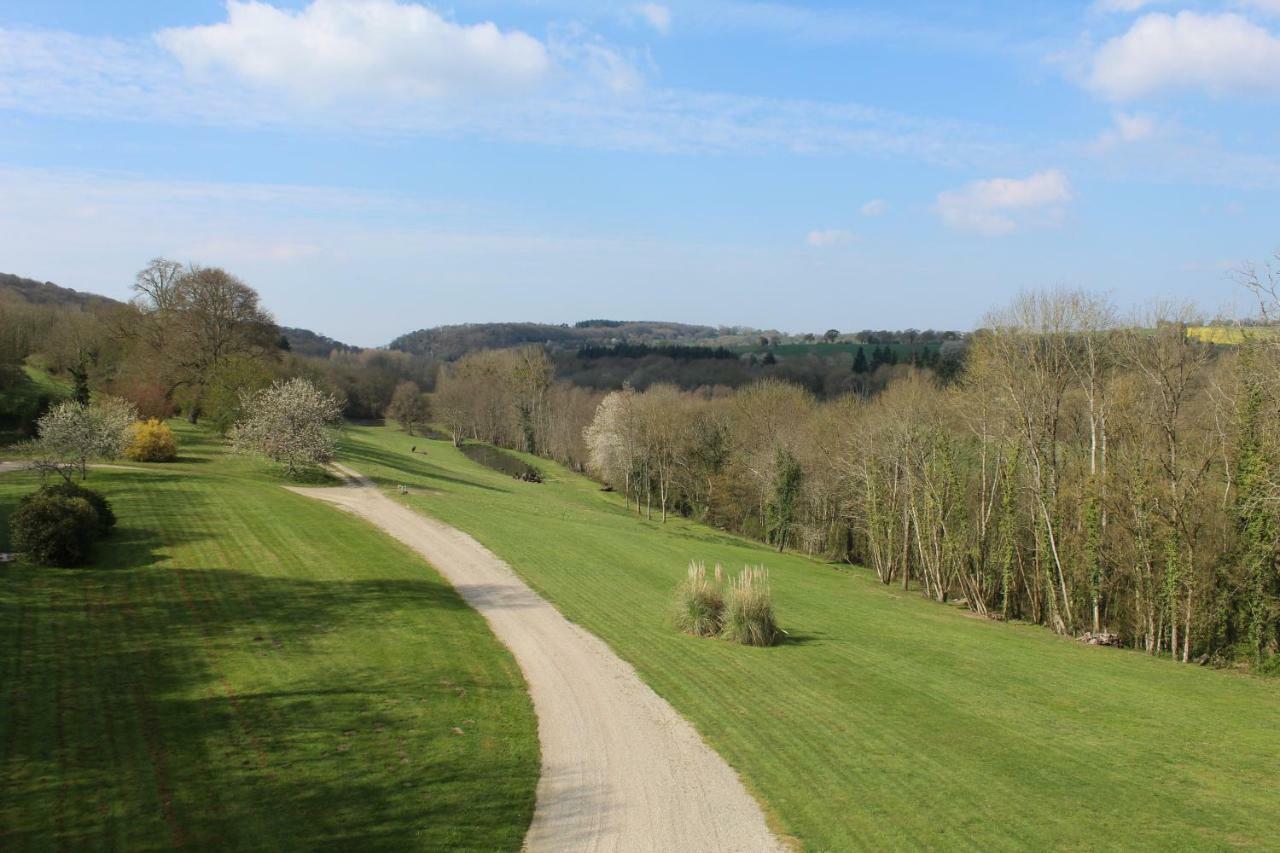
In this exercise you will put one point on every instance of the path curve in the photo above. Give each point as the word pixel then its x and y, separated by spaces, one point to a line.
pixel 621 770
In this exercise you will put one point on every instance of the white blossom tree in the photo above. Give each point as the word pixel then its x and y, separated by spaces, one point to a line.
pixel 290 423
pixel 72 434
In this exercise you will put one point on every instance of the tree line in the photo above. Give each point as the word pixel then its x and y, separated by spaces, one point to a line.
pixel 192 340
pixel 1119 478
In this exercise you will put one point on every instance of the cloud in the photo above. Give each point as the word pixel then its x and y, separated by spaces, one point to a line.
pixel 1126 128
pixel 656 15
pixel 1123 6
pixel 334 48
pixel 875 207
pixel 829 237
pixel 1218 54
pixel 1267 7
pixel 1003 205
pixel 590 101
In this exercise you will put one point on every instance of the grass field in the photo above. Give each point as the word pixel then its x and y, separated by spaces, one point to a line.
pixel 886 720
pixel 20 403
pixel 1231 335
pixel 245 668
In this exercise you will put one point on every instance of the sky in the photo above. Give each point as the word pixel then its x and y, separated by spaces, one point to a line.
pixel 378 166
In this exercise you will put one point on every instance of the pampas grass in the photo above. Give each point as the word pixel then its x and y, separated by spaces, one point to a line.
pixel 748 612
pixel 740 611
pixel 699 602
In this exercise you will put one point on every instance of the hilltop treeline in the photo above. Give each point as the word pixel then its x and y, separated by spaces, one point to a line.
pixel 1088 475
pixel 449 343
pixel 673 351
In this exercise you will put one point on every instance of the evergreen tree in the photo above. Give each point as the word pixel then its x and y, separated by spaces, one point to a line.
pixel 783 504
pixel 860 361
pixel 1257 525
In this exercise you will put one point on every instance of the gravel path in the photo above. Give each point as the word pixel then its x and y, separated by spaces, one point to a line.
pixel 621 770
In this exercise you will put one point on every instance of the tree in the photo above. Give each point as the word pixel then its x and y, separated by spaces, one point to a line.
pixel 192 321
pixel 860 361
pixel 830 335
pixel 72 434
pixel 409 407
pixel 786 495
pixel 289 423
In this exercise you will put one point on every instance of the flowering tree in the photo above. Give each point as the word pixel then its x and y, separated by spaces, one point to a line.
pixel 71 434
pixel 289 423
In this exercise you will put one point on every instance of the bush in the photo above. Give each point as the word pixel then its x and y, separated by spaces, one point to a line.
pixel 748 612
pixel 151 441
pixel 106 518
pixel 699 603
pixel 53 530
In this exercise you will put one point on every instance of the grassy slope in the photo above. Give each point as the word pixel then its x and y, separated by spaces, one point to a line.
pixel 888 720
pixel 245 668
pixel 21 402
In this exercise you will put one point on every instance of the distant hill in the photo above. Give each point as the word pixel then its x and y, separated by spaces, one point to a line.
pixel 301 341
pixel 452 342
pixel 309 343
pixel 48 293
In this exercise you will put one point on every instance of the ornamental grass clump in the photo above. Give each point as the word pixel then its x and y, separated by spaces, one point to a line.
pixel 748 611
pixel 700 603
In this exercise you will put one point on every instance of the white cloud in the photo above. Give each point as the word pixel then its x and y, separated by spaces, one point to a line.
pixel 1213 53
pixel 332 48
pixel 829 237
pixel 656 15
pixel 875 207
pixel 579 105
pixel 1268 7
pixel 1002 205
pixel 1126 128
pixel 1123 6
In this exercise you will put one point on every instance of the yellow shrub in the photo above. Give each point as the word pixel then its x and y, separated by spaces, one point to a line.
pixel 151 441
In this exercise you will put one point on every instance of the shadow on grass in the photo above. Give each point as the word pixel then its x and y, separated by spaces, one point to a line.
pixel 123 725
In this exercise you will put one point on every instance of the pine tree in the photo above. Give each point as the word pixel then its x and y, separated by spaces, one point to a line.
pixel 860 361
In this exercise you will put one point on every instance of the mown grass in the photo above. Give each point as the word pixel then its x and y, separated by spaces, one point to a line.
pixel 245 668
pixel 883 720
pixel 22 400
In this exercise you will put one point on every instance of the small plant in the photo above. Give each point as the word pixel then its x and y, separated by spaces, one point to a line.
pixel 151 441
pixel 748 609
pixel 699 602
pixel 53 530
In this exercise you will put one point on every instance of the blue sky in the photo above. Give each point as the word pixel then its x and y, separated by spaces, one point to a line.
pixel 374 166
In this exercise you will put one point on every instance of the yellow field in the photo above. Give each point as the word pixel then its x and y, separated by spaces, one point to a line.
pixel 1229 335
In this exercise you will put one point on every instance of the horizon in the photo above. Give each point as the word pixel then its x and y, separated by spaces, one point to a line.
pixel 775 166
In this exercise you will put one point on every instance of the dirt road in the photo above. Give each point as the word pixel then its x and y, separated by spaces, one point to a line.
pixel 621 770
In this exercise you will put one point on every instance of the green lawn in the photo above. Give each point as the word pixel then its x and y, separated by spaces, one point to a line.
pixel 22 401
pixel 887 720
pixel 245 668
